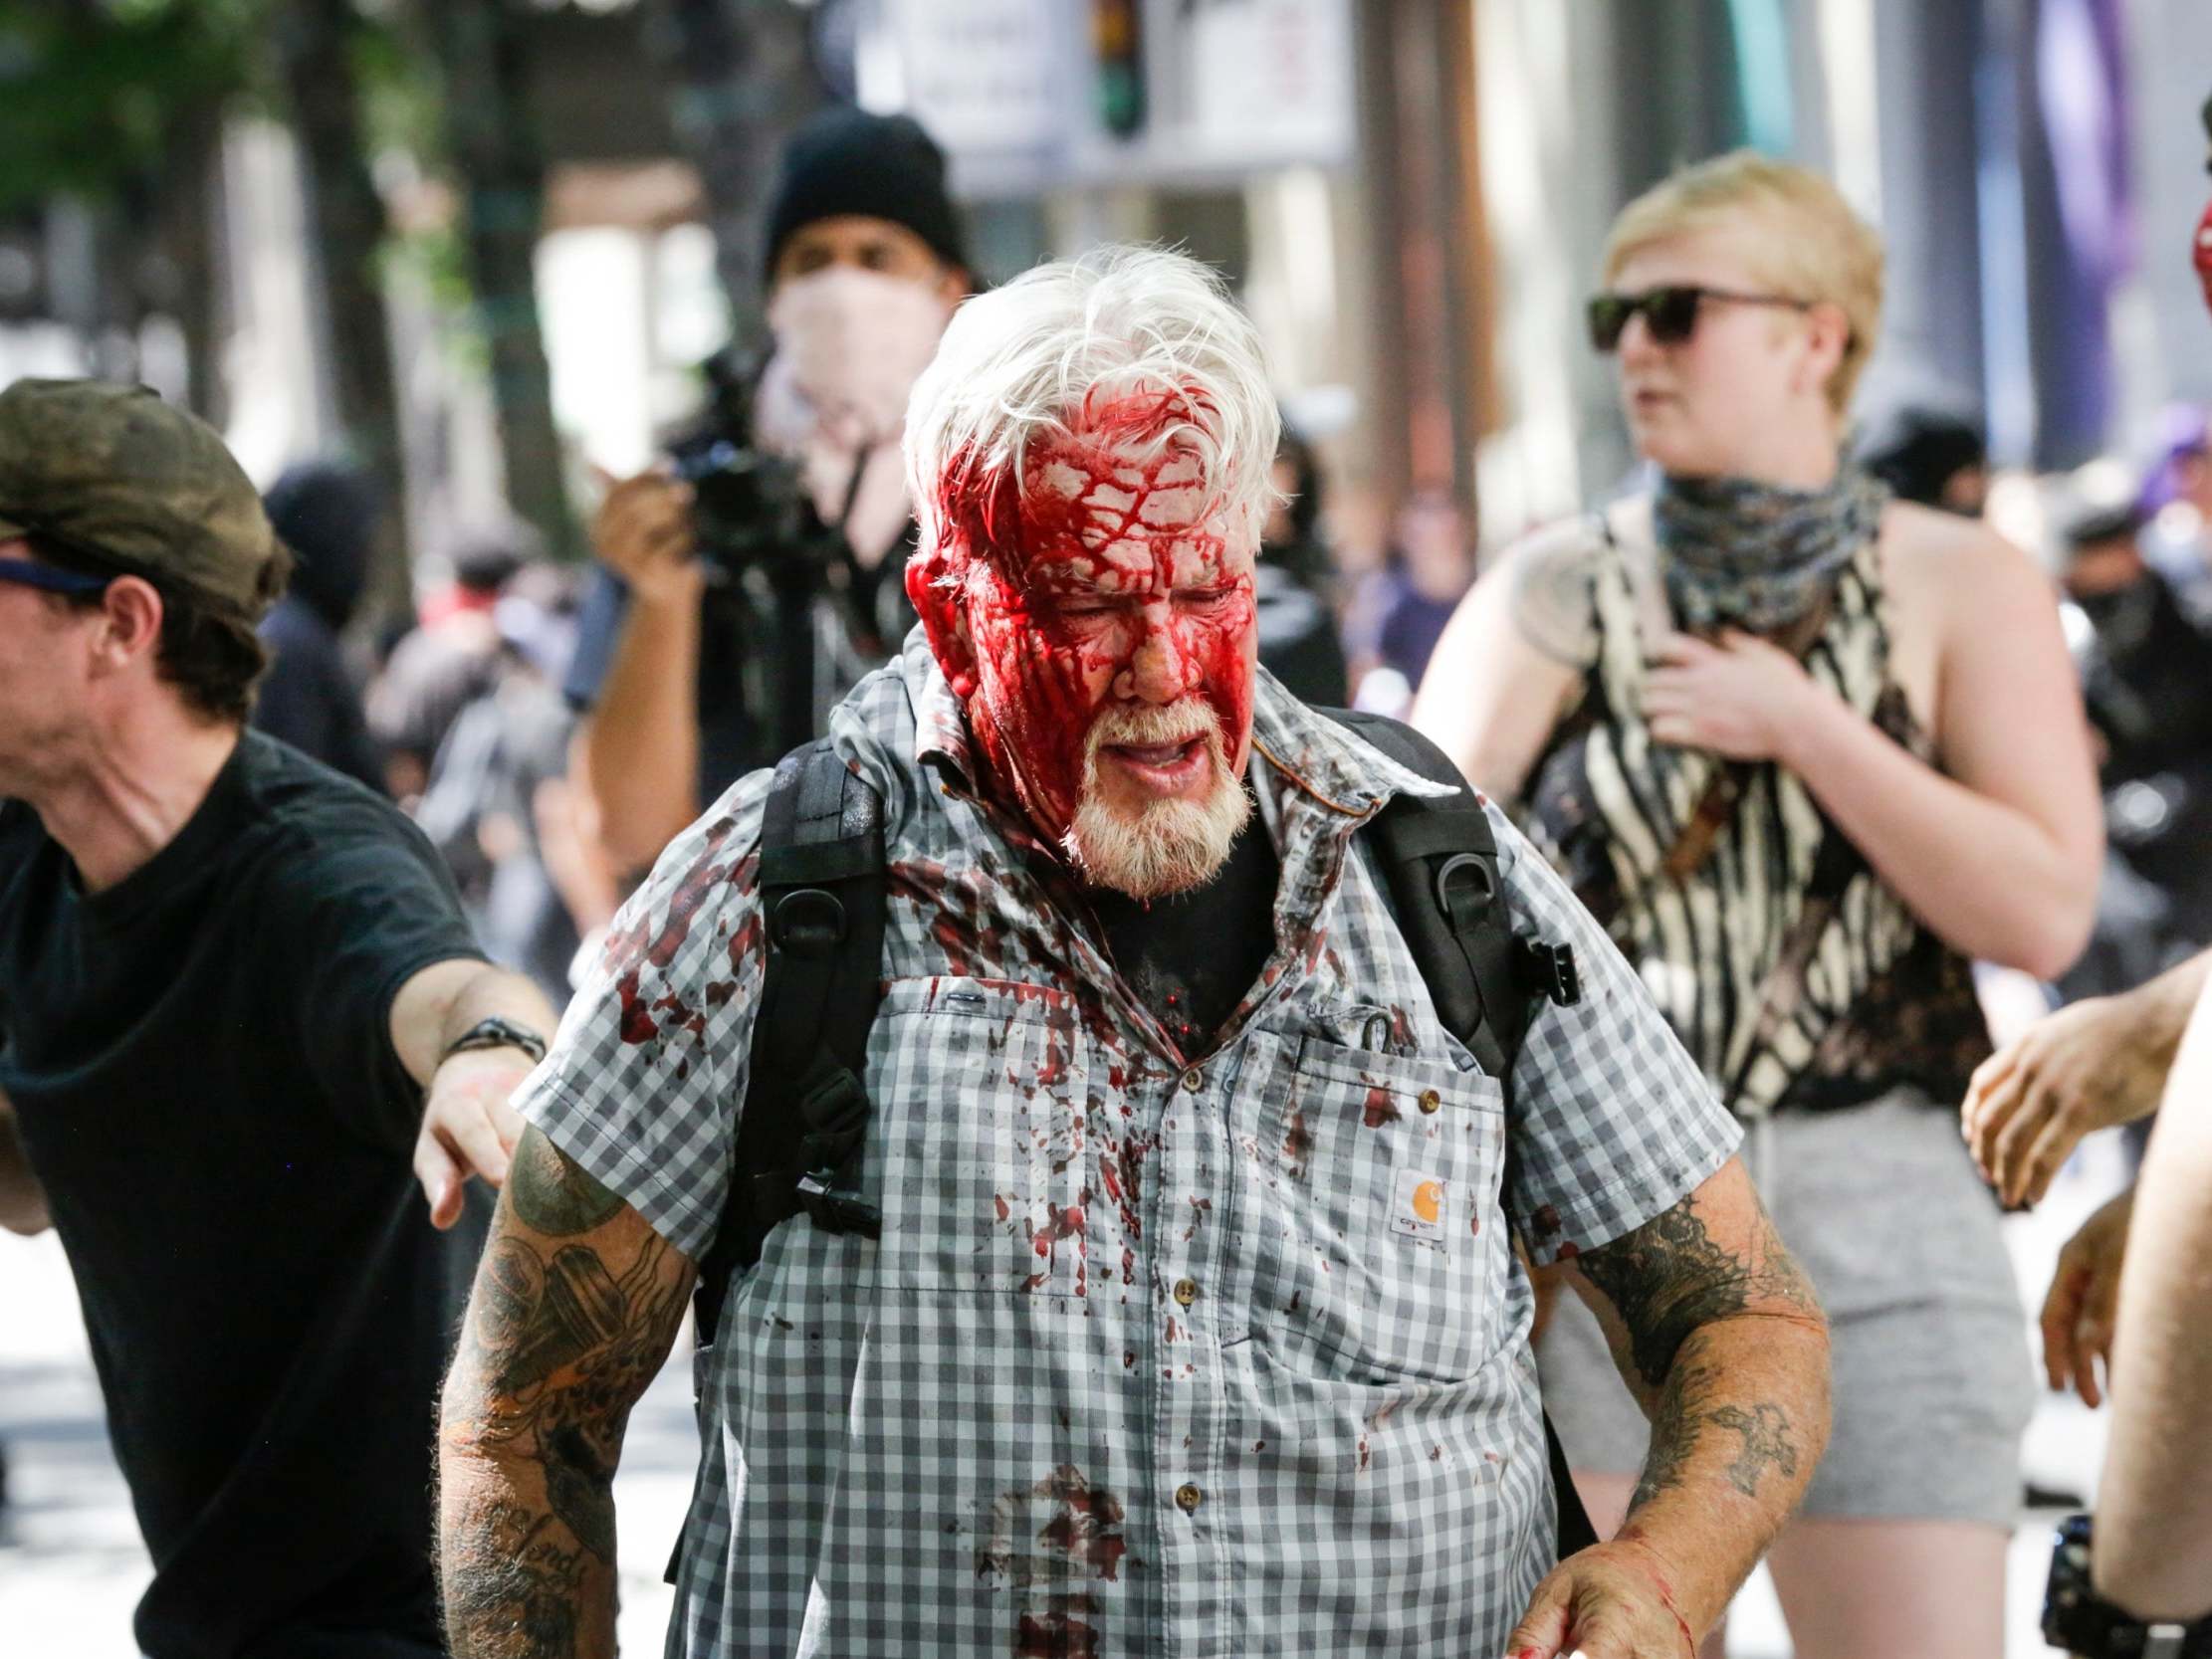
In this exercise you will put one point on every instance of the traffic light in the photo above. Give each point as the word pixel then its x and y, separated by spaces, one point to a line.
pixel 1117 38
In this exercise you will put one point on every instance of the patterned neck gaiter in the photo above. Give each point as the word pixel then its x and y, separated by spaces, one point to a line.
pixel 1757 556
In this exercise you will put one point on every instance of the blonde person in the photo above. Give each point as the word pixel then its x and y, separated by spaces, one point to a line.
pixel 1806 750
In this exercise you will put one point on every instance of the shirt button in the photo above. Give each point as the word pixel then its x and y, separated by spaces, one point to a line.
pixel 1430 1099
pixel 1188 1498
pixel 1194 1080
pixel 1187 1290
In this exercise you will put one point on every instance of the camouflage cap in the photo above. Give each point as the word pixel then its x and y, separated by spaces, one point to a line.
pixel 113 472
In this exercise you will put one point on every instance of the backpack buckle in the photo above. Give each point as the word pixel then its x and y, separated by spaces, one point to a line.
pixel 1485 880
pixel 1548 971
pixel 808 921
pixel 838 1213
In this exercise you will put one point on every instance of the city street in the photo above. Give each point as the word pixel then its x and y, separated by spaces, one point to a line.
pixel 71 1566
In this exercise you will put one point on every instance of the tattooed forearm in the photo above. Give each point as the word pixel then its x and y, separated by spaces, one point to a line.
pixel 524 1593
pixel 1675 1424
pixel 1670 1277
pixel 1720 1334
pixel 1685 1415
pixel 1768 1443
pixel 570 1319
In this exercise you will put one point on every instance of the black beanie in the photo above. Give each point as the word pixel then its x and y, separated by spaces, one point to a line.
pixel 846 160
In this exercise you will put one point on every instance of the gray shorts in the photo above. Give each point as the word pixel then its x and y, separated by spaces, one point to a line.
pixel 1883 1207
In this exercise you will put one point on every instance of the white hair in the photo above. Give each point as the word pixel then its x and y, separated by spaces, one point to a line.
pixel 1063 343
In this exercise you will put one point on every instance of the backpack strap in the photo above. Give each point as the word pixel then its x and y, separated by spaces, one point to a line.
pixel 805 1116
pixel 1439 868
pixel 1440 863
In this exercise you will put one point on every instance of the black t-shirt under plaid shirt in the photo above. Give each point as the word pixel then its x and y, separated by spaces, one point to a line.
pixel 1151 1356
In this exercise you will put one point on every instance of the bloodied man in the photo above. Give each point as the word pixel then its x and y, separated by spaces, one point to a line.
pixel 1106 656
pixel 1194 1318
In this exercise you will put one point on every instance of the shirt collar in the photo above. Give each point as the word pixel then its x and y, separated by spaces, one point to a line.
pixel 1307 749
pixel 940 723
pixel 1330 763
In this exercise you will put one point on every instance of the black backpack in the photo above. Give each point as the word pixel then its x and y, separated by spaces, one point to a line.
pixel 821 879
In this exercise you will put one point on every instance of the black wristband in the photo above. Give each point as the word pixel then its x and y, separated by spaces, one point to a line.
pixel 496 1032
pixel 2077 1620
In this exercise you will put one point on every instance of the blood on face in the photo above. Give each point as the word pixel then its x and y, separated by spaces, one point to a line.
pixel 1113 574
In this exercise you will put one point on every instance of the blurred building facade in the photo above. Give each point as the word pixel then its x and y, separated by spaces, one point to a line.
pixel 1408 194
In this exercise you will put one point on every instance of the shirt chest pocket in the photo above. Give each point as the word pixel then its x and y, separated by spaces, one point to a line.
pixel 979 1138
pixel 1390 1261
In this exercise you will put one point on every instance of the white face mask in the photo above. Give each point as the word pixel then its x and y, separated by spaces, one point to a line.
pixel 849 346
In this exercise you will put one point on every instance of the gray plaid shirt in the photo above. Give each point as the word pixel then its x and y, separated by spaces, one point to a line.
pixel 1156 1356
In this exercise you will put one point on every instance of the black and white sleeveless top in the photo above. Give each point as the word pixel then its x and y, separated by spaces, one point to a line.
pixel 1880 1002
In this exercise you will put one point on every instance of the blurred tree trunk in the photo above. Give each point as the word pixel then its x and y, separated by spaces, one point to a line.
pixel 90 278
pixel 315 40
pixel 745 79
pixel 482 49
pixel 187 249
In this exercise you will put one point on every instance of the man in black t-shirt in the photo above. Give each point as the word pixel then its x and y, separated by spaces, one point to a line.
pixel 241 1020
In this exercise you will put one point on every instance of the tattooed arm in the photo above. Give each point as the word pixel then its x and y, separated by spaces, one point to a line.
pixel 1720 1335
pixel 575 1305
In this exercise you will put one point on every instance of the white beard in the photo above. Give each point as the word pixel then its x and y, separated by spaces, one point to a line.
pixel 1171 846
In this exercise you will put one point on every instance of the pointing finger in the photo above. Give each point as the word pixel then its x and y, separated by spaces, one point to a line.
pixel 440 1178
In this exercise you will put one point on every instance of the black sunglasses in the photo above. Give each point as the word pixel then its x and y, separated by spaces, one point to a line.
pixel 52 578
pixel 24 573
pixel 1671 312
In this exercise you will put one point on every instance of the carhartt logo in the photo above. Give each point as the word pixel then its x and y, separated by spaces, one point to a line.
pixel 1423 1206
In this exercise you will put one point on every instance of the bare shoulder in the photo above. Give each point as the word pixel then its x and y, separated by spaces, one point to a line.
pixel 1513 657
pixel 1938 560
pixel 1549 577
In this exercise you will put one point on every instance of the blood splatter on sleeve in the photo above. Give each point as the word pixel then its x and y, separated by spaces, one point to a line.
pixel 646 1077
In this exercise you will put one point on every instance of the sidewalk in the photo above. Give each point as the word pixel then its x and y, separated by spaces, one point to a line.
pixel 72 1567
pixel 70 1563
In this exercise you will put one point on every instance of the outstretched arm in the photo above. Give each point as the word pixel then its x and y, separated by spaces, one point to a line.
pixel 467 1126
pixel 2153 1549
pixel 1720 1335
pixel 576 1302
pixel 2093 1064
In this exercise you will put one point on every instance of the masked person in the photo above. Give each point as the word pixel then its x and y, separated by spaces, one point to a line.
pixel 1809 751
pixel 734 608
pixel 241 1020
pixel 1195 1320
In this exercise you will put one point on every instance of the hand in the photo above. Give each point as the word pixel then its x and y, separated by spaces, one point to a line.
pixel 467 1129
pixel 1739 697
pixel 642 533
pixel 2098 1062
pixel 2079 1311
pixel 1610 1601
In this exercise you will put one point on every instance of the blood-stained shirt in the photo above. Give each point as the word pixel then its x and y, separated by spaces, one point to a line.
pixel 1158 1353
